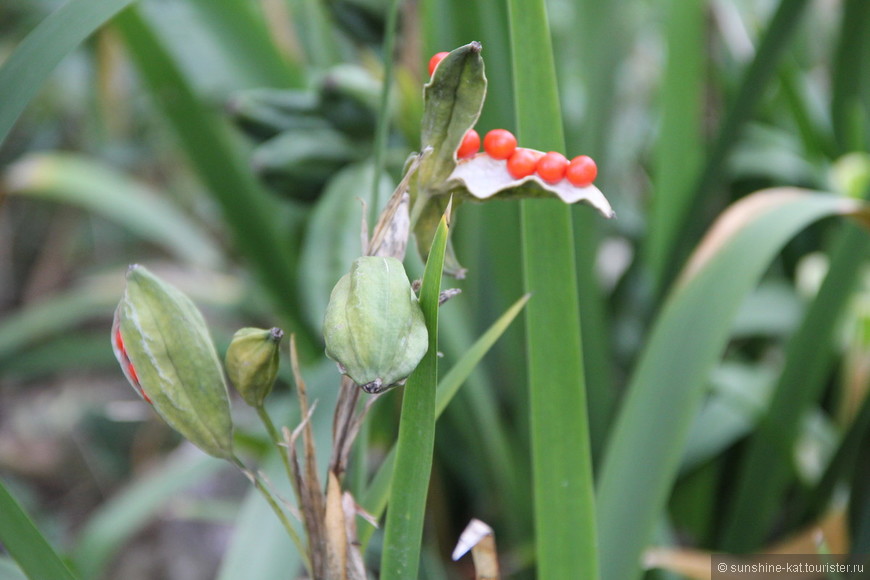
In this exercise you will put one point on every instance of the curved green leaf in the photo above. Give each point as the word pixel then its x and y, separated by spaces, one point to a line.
pixel 223 44
pixel 53 316
pixel 78 180
pixel 647 441
pixel 761 480
pixel 375 499
pixel 9 570
pixel 20 537
pixel 414 449
pixel 250 213
pixel 685 207
pixel 37 55
pixel 129 511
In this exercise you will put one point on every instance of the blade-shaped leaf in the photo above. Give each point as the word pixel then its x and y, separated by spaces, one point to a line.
pixel 249 212
pixel 688 337
pixel 414 448
pixel 27 68
pixel 9 570
pixel 78 180
pixel 20 537
pixel 129 511
pixel 375 500
pixel 762 481
pixel 564 500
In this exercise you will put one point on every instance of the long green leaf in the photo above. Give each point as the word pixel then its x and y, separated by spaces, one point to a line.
pixel 221 47
pixel 382 131
pixel 565 536
pixel 27 68
pixel 456 376
pixel 9 570
pixel 766 467
pixel 841 467
pixel 78 180
pixel 375 500
pixel 597 32
pixel 20 537
pixel 687 339
pixel 52 316
pixel 242 30
pixel 128 512
pixel 249 211
pixel 757 75
pixel 850 117
pixel 404 529
pixel 679 154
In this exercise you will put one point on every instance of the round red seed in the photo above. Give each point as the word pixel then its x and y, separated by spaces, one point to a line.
pixel 469 146
pixel 436 58
pixel 522 163
pixel 582 171
pixel 551 167
pixel 500 144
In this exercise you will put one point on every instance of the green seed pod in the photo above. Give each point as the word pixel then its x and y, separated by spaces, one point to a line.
pixel 165 351
pixel 252 362
pixel 374 328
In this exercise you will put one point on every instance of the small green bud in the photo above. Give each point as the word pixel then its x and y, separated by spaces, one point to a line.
pixel 374 328
pixel 165 351
pixel 252 362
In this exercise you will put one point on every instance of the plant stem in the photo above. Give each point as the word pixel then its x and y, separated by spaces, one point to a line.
pixel 282 451
pixel 282 516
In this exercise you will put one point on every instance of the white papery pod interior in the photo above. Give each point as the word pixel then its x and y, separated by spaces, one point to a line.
pixel 485 177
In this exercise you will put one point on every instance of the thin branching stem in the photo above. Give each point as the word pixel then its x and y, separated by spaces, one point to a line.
pixel 257 480
pixel 276 438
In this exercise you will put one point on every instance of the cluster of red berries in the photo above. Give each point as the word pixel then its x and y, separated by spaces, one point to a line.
pixel 552 167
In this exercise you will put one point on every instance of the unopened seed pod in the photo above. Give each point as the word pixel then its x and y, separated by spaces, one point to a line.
pixel 165 351
pixel 252 362
pixel 374 328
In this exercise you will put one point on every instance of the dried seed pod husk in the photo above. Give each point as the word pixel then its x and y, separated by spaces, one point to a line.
pixel 374 328
pixel 165 350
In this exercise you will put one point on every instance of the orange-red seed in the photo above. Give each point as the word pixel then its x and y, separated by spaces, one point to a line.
pixel 500 144
pixel 522 163
pixel 582 171
pixel 551 167
pixel 433 62
pixel 469 146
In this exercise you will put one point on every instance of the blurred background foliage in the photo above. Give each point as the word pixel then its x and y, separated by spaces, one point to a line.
pixel 225 142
